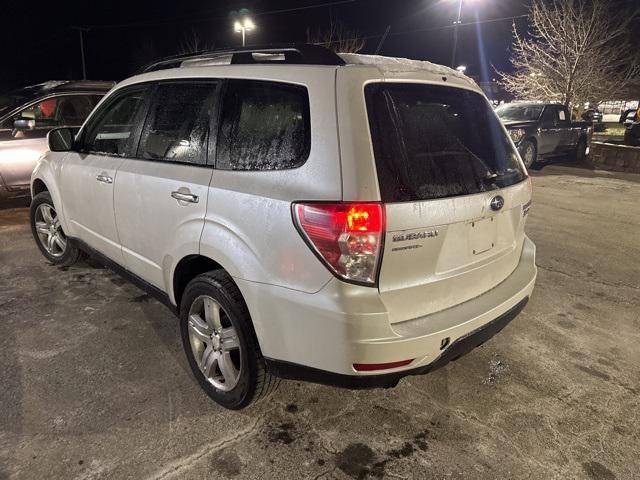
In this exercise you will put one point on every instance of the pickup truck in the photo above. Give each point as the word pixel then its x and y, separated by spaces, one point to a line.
pixel 542 131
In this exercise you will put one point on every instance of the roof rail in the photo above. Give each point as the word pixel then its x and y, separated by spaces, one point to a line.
pixel 301 54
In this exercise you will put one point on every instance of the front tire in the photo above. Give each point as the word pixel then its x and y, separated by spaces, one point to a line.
pixel 48 234
pixel 529 153
pixel 221 344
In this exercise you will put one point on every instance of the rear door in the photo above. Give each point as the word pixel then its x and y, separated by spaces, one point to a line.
pixel 568 135
pixel 453 189
pixel 161 195
pixel 88 175
pixel 550 133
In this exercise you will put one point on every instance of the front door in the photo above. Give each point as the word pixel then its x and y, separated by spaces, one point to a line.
pixel 20 150
pixel 161 195
pixel 89 175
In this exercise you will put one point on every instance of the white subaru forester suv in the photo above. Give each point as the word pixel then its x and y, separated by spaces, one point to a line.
pixel 341 219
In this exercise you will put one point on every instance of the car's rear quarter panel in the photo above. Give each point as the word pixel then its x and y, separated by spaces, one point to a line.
pixel 248 226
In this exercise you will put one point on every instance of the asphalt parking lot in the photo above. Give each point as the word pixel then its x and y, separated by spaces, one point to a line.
pixel 94 383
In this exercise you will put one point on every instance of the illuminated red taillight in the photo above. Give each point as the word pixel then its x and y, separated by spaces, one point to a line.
pixel 346 236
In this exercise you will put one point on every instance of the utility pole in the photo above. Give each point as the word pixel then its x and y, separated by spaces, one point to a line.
pixel 81 31
pixel 455 35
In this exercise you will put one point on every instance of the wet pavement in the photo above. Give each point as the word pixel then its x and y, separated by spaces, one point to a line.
pixel 94 383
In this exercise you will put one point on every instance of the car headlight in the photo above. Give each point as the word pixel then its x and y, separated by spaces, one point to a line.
pixel 516 134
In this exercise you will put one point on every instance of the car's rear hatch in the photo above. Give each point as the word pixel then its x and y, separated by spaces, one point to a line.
pixel 455 195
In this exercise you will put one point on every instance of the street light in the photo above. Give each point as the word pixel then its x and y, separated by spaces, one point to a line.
pixel 455 33
pixel 246 25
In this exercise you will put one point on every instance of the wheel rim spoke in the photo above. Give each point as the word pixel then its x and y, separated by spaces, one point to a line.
pixel 228 370
pixel 198 329
pixel 208 361
pixel 41 227
pixel 61 242
pixel 50 243
pixel 46 214
pixel 229 339
pixel 212 314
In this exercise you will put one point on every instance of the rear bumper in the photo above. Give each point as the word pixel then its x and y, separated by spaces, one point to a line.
pixel 458 348
pixel 318 337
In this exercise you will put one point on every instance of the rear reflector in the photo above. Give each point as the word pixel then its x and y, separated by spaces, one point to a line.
pixel 368 367
pixel 347 237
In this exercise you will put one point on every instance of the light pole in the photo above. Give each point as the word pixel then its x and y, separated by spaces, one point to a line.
pixel 455 34
pixel 243 26
pixel 81 30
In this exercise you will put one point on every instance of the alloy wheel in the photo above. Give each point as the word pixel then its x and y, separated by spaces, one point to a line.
pixel 214 343
pixel 528 155
pixel 49 230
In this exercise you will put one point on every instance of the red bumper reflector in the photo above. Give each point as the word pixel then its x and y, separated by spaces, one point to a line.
pixel 368 367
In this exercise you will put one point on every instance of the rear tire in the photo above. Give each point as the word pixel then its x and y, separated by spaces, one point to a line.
pixel 580 152
pixel 529 153
pixel 48 234
pixel 221 344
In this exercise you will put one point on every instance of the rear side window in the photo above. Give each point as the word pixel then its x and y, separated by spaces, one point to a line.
pixel 432 141
pixel 114 128
pixel 264 126
pixel 177 124
pixel 74 109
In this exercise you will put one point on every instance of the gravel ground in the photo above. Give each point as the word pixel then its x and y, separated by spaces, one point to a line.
pixel 94 384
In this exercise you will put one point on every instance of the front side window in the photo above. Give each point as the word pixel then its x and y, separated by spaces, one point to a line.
pixel 178 123
pixel 432 141
pixel 113 129
pixel 264 126
pixel 65 110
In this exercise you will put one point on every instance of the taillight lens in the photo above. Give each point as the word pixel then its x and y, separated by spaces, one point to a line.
pixel 346 236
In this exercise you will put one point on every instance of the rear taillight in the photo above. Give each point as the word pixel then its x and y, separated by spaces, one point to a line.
pixel 347 237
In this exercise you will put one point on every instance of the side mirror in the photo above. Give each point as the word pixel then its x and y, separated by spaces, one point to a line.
pixel 22 124
pixel 60 139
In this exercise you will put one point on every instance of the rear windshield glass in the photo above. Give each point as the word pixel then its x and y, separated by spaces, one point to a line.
pixel 432 142
pixel 514 112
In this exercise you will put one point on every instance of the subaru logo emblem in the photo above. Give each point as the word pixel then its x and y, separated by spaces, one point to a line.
pixel 496 203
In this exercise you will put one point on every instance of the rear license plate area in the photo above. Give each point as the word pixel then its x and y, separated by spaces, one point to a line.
pixel 482 235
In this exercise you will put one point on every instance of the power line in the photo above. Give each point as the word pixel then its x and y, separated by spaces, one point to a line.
pixel 434 29
pixel 197 17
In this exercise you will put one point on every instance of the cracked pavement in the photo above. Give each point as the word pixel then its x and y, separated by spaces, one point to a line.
pixel 94 383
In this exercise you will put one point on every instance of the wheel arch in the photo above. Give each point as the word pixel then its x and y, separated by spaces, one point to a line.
pixel 187 268
pixel 38 186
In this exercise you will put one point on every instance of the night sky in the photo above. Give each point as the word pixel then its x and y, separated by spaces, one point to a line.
pixel 39 43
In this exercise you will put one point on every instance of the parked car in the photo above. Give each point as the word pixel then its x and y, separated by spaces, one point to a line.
pixel 28 114
pixel 542 131
pixel 595 118
pixel 631 121
pixel 347 220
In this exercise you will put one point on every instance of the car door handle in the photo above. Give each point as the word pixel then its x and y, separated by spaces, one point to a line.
pixel 104 179
pixel 185 197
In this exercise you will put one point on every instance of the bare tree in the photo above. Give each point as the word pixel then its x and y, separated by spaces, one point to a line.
pixel 192 43
pixel 338 38
pixel 576 51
